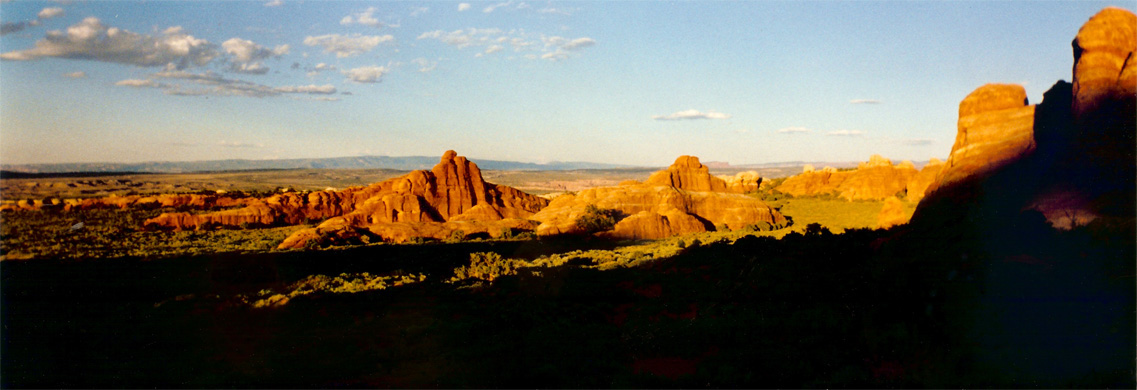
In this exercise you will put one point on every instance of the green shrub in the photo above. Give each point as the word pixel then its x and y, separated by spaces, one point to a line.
pixel 488 266
pixel 597 220
pixel 761 226
pixel 815 229
pixel 456 236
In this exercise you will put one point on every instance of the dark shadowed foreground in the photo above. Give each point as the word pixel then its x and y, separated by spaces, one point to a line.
pixel 956 307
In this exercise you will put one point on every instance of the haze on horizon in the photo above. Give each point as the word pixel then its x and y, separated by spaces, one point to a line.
pixel 634 83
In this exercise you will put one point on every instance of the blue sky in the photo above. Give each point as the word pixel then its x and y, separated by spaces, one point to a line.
pixel 618 82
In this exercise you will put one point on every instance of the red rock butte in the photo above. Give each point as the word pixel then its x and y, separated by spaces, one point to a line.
pixel 453 191
pixel 684 198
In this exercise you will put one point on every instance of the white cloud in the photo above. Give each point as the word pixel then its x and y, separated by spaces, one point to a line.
pixel 424 65
pixel 793 130
pixel 557 55
pixel 691 114
pixel 327 89
pixel 553 48
pixel 253 68
pixel 320 67
pixel 365 18
pixel 246 55
pixel 50 12
pixel 491 8
pixel 216 85
pixel 137 83
pixel 76 75
pixel 464 38
pixel 578 43
pixel 463 6
pixel 274 3
pixel 247 51
pixel 846 133
pixel 347 46
pixel 419 11
pixel 561 46
pixel 366 74
pixel 864 101
pixel 91 40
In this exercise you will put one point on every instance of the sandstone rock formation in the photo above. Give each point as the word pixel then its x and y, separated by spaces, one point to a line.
pixel 673 201
pixel 687 174
pixel 452 191
pixel 996 128
pixel 197 201
pixel 1071 157
pixel 918 184
pixel 892 213
pixel 1104 68
pixel 812 182
pixel 743 182
pixel 875 179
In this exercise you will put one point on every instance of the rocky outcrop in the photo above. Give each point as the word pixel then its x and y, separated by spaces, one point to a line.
pixel 452 190
pixel 1070 158
pixel 875 179
pixel 743 182
pixel 657 210
pixel 995 128
pixel 653 225
pixel 918 184
pixel 687 174
pixel 813 182
pixel 1104 67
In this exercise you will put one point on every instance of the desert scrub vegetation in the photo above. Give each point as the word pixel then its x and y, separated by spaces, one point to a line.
pixel 595 219
pixel 488 266
pixel 107 233
pixel 343 283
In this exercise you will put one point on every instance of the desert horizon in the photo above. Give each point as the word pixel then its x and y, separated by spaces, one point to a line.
pixel 568 194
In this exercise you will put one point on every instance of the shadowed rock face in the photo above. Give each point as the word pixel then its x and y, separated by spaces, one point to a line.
pixel 1071 158
pixel 677 200
pixel 452 190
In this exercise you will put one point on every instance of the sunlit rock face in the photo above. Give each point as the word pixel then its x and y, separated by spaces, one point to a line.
pixel 876 179
pixel 995 128
pixel 687 173
pixel 453 191
pixel 1070 158
pixel 684 198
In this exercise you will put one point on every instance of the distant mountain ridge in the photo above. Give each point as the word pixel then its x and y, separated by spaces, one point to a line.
pixel 356 162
